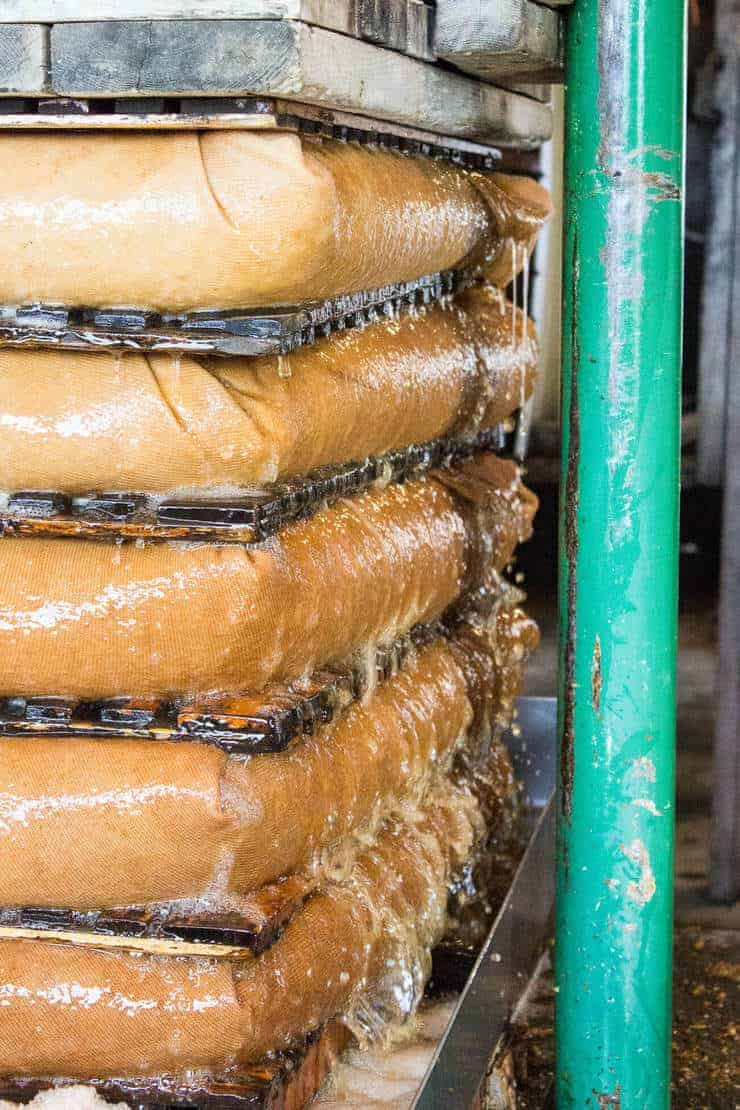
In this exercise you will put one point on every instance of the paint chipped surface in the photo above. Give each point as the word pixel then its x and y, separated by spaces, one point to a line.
pixel 641 890
pixel 606 1099
pixel 648 804
pixel 614 915
pixel 644 768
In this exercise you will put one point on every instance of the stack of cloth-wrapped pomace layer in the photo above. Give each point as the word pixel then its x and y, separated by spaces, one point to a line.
pixel 241 772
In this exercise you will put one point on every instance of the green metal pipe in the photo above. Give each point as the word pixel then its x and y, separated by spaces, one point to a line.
pixel 619 550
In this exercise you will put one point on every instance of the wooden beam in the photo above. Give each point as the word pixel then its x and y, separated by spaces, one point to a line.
pixel 23 59
pixel 535 91
pixel 85 11
pixel 490 37
pixel 289 60
pixel 404 25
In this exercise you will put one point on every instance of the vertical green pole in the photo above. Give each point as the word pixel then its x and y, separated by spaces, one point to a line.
pixel 618 551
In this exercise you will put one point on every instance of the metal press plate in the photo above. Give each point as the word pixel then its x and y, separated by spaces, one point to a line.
pixel 234 332
pixel 250 518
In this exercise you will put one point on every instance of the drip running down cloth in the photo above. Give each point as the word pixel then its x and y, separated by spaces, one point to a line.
pixel 88 619
pixel 358 949
pixel 225 220
pixel 162 424
pixel 96 824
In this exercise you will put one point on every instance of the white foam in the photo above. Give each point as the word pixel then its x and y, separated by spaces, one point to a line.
pixel 66 1098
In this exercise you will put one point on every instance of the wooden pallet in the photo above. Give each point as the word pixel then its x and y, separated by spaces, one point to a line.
pixel 411 27
pixel 282 58
pixel 492 38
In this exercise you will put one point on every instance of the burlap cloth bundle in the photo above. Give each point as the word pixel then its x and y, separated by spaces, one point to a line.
pixel 219 220
pixel 164 423
pixel 182 221
pixel 92 821
pixel 95 824
pixel 357 947
pixel 89 619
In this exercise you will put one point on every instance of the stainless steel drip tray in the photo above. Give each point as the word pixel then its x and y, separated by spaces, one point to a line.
pixel 503 967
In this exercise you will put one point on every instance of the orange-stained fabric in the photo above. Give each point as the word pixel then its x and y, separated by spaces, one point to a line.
pixel 504 336
pixel 84 618
pixel 87 1012
pixel 89 824
pixel 116 1014
pixel 519 207
pixel 367 940
pixel 183 220
pixel 164 424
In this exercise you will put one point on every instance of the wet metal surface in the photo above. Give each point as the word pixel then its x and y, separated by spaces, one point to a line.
pixel 230 332
pixel 510 952
pixel 250 518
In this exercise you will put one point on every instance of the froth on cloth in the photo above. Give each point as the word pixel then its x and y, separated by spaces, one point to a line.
pixel 93 823
pixel 225 219
pixel 96 823
pixel 165 424
pixel 86 618
pixel 358 950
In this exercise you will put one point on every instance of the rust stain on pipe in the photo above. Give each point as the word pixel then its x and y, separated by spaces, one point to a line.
pixel 606 1100
pixel 662 185
pixel 596 677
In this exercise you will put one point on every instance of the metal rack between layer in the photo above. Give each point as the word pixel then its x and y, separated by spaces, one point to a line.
pixel 232 332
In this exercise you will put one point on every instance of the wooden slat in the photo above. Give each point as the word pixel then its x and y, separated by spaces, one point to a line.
pixel 489 38
pixel 539 92
pixel 403 25
pixel 85 11
pixel 289 60
pixel 150 945
pixel 23 59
